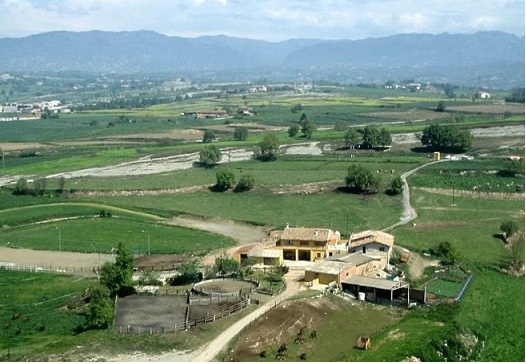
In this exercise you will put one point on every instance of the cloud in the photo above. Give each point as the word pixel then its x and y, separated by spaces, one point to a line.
pixel 269 19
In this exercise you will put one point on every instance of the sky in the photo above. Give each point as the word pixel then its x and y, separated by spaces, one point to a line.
pixel 271 20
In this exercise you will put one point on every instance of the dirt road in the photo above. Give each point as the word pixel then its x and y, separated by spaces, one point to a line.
pixel 409 213
pixel 209 351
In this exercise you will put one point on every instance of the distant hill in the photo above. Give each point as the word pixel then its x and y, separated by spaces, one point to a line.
pixel 490 59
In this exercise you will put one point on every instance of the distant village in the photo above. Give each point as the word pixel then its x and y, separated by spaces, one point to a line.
pixel 34 111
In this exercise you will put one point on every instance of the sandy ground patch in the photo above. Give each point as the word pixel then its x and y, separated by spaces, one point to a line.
pixel 56 260
pixel 303 148
pixel 491 132
pixel 148 165
pixel 11 147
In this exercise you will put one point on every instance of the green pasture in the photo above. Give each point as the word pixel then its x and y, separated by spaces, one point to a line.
pixel 444 287
pixel 48 318
pixel 287 170
pixel 333 209
pixel 492 308
pixel 96 234
pixel 469 180
pixel 472 225
pixel 46 212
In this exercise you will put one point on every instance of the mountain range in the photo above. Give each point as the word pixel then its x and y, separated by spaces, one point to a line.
pixel 484 59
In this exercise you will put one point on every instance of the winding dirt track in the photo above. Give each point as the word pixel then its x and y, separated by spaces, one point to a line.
pixel 409 213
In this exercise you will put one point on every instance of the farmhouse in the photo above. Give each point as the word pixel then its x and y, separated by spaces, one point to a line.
pixel 307 244
pixel 373 243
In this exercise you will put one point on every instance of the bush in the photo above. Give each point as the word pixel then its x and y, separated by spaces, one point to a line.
pixel 209 156
pixel 446 252
pixel 224 180
pixel 360 179
pixel 208 136
pixel 397 186
pixel 240 133
pixel 246 183
pixel 509 228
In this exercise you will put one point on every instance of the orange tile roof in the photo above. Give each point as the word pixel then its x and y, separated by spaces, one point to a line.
pixel 307 234
pixel 370 236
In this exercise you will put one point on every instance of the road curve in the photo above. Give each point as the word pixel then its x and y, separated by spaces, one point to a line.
pixel 209 351
pixel 409 213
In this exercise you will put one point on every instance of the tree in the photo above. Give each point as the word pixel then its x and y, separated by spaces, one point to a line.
pixel 117 277
pixel 240 133
pixel 209 156
pixel 225 266
pixel 443 137
pixel 40 186
pixel 61 183
pixel 296 108
pixel 208 136
pixel 225 179
pixel 509 228
pixel 245 183
pixel 189 273
pixel 307 128
pixel 384 138
pixel 371 136
pixel 447 253
pixel 99 314
pixel 293 130
pixel 352 138
pixel 360 179
pixel 20 187
pixel 441 107
pixel 269 147
pixel 397 186
pixel 517 95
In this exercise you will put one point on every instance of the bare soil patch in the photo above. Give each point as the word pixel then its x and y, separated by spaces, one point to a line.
pixel 225 286
pixel 280 325
pixel 11 147
pixel 54 260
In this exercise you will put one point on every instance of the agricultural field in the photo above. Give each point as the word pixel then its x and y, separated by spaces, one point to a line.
pixel 124 162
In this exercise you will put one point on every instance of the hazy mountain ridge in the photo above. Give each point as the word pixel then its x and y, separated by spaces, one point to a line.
pixel 493 58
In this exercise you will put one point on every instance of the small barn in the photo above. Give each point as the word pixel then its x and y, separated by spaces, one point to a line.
pixel 377 289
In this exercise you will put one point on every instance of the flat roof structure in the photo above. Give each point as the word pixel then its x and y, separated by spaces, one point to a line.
pixel 378 283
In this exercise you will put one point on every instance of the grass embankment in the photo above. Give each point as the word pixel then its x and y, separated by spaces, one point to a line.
pixel 491 311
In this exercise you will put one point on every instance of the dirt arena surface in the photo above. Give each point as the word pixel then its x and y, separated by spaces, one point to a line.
pixel 225 286
pixel 53 260
pixel 150 311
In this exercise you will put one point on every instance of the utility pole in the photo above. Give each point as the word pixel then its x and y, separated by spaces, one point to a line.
pixel 59 239
pixel 148 233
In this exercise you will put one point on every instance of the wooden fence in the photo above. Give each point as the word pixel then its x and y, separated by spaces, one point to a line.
pixel 51 269
pixel 190 321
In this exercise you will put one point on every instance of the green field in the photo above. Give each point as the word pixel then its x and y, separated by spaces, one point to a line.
pixel 490 308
